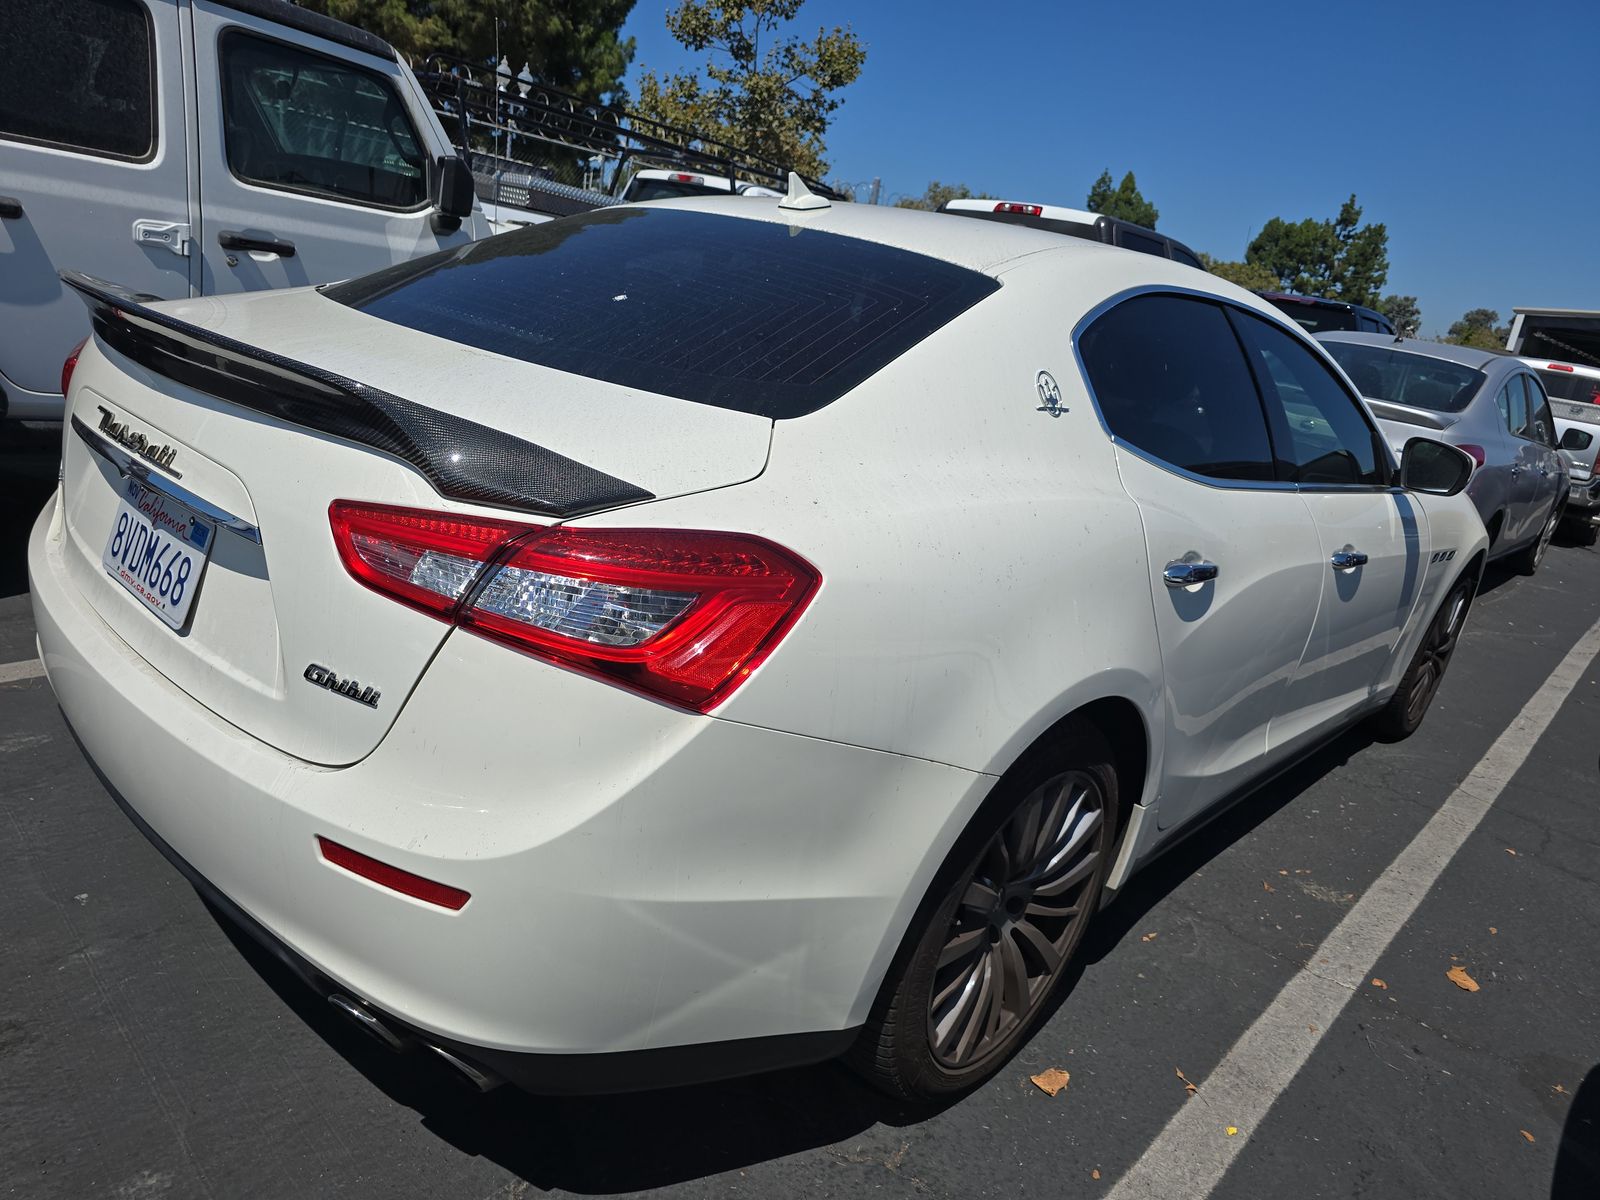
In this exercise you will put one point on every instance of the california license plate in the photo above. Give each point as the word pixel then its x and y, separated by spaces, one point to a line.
pixel 157 550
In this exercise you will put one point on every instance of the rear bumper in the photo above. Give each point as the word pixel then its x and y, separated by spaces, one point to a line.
pixel 645 882
pixel 1584 494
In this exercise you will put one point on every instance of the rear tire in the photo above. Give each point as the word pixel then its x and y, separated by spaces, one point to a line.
pixel 1400 717
pixel 1001 925
pixel 1526 561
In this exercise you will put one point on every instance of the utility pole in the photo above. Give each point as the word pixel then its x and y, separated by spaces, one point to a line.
pixel 877 186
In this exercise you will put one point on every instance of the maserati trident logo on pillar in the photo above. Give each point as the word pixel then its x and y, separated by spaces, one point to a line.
pixel 349 688
pixel 1050 395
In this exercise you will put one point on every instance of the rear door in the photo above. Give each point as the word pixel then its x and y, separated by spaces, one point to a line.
pixel 313 165
pixel 1374 540
pixel 93 173
pixel 1173 388
pixel 1550 480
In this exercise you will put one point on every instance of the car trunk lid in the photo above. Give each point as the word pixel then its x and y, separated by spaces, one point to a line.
pixel 257 413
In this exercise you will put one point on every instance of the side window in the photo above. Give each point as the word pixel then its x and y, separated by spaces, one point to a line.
pixel 1541 425
pixel 1321 434
pixel 79 74
pixel 1169 379
pixel 304 123
pixel 1513 404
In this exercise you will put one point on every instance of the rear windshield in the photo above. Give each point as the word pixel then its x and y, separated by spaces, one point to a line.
pixel 1400 377
pixel 758 316
pixel 1569 385
pixel 1315 318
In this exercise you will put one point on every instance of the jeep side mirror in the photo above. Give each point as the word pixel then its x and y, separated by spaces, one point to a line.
pixel 1576 439
pixel 452 193
pixel 1434 468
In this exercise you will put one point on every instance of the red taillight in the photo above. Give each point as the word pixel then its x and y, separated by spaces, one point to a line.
pixel 1557 367
pixel 424 559
pixel 681 615
pixel 680 177
pixel 1024 210
pixel 71 365
pixel 393 878
pixel 1477 453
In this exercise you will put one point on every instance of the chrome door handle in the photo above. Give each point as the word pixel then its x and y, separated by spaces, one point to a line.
pixel 1188 573
pixel 1516 470
pixel 1347 560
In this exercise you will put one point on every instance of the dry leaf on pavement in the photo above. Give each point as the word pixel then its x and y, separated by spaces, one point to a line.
pixel 1492 929
pixel 1378 983
pixel 1267 887
pixel 1187 1086
pixel 1560 1090
pixel 1459 977
pixel 1526 1134
pixel 1282 872
pixel 1511 852
pixel 1095 1174
pixel 1052 1081
pixel 1149 937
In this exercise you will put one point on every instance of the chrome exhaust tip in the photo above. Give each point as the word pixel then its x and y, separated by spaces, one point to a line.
pixel 366 1019
pixel 479 1077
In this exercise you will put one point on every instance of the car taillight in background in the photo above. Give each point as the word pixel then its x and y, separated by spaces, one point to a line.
pixel 71 365
pixel 679 614
pixel 680 177
pixel 1478 456
pixel 1021 210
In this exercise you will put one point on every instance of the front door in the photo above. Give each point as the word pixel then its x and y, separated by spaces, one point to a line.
pixel 1236 564
pixel 313 168
pixel 93 174
pixel 1373 540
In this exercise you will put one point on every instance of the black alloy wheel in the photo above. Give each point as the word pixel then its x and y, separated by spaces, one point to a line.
pixel 1420 684
pixel 1020 916
pixel 1000 927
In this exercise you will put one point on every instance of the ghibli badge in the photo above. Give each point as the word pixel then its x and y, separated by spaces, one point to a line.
pixel 349 688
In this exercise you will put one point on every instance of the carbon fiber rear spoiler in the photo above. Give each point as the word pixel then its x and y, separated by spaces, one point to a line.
pixel 462 459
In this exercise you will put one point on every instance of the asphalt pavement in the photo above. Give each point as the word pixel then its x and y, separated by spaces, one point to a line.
pixel 149 1050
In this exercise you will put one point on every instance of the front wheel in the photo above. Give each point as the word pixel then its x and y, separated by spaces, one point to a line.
pixel 1401 716
pixel 1012 906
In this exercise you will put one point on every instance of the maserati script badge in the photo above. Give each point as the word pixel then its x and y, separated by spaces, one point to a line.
pixel 1050 395
pixel 349 688
pixel 159 453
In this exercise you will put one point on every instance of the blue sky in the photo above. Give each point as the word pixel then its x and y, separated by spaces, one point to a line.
pixel 1472 130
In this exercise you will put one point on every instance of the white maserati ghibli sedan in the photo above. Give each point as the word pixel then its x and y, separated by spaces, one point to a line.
pixel 694 638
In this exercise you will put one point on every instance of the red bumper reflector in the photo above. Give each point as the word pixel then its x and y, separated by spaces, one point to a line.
pixel 393 878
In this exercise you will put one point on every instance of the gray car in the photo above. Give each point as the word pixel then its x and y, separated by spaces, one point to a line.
pixel 1490 405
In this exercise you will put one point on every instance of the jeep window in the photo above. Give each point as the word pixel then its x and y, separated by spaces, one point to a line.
pixel 300 122
pixel 79 74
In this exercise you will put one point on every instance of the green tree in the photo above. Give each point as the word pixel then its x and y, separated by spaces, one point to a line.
pixel 1341 259
pixel 764 89
pixel 575 45
pixel 1479 327
pixel 938 193
pixel 1247 275
pixel 1403 314
pixel 1123 201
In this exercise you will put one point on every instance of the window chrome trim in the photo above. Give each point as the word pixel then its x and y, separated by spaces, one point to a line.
pixel 1274 317
pixel 130 467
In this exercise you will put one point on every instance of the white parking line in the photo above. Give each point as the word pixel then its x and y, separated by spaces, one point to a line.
pixel 18 671
pixel 1190 1156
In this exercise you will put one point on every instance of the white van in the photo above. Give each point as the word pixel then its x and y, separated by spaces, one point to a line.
pixel 183 148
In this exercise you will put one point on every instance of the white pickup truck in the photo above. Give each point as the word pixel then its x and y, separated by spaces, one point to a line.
pixel 187 148
pixel 1574 391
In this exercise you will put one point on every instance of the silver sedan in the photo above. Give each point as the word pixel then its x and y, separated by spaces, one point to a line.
pixel 1490 405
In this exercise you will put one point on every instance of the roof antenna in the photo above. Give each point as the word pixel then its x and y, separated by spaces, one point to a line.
pixel 800 197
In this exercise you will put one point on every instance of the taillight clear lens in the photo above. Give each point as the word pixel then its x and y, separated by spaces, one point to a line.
pixel 682 615
pixel 71 365
pixel 424 559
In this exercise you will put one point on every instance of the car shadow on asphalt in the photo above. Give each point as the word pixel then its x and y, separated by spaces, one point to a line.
pixel 1577 1173
pixel 622 1143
